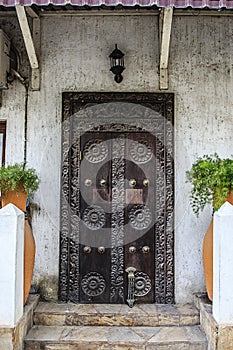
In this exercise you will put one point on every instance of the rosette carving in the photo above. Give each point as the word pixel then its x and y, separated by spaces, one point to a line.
pixel 142 284
pixel 93 284
pixel 94 217
pixel 95 151
pixel 140 152
pixel 140 217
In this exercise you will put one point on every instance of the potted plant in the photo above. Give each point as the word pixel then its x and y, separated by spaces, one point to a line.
pixel 16 184
pixel 212 181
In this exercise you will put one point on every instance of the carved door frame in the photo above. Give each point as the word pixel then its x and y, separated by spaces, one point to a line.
pixel 117 112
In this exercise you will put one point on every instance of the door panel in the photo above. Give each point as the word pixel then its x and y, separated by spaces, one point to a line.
pixel 95 231
pixel 139 235
pixel 117 222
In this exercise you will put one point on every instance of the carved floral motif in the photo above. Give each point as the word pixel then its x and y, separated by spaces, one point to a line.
pixel 117 221
pixel 94 217
pixel 140 217
pixel 93 284
pixel 95 151
pixel 140 152
pixel 142 284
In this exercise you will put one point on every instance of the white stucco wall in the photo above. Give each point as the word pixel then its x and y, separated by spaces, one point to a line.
pixel 74 57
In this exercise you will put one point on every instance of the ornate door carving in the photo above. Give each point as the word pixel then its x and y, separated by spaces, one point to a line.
pixel 117 198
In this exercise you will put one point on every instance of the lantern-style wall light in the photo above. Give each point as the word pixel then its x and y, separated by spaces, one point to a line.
pixel 117 64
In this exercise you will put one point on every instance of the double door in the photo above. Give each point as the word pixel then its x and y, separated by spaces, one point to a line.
pixel 117 217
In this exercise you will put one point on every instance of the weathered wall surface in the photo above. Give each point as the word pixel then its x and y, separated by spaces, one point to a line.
pixel 74 57
pixel 201 75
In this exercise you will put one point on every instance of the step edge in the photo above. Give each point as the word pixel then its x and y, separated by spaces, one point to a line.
pixel 30 338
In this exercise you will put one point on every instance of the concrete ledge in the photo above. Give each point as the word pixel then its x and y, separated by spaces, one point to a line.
pixel 12 338
pixel 220 337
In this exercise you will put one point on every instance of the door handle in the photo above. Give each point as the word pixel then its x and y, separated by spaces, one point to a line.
pixel 131 281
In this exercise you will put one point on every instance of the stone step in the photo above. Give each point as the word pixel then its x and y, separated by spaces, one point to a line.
pixel 115 338
pixel 54 314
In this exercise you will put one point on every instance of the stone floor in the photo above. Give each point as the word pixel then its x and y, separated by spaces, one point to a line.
pixel 115 337
pixel 115 327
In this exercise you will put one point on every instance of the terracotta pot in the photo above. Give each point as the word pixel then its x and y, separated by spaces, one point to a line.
pixel 29 258
pixel 207 254
pixel 19 200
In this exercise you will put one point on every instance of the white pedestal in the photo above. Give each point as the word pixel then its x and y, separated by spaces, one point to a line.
pixel 11 264
pixel 223 265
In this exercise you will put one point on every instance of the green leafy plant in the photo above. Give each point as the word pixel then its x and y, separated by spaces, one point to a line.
pixel 17 178
pixel 212 180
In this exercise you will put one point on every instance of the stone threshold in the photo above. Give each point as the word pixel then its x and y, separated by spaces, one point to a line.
pixel 55 314
pixel 12 338
pixel 119 338
pixel 220 337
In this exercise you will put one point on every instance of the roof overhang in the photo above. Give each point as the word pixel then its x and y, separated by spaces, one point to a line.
pixel 178 4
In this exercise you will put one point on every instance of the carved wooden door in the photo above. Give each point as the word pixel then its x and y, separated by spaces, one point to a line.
pixel 117 216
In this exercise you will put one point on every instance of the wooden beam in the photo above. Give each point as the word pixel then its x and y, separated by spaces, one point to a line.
pixel 36 34
pixel 32 42
pixel 165 36
pixel 20 10
pixel 31 12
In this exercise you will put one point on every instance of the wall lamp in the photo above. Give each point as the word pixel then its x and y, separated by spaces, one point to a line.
pixel 117 64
